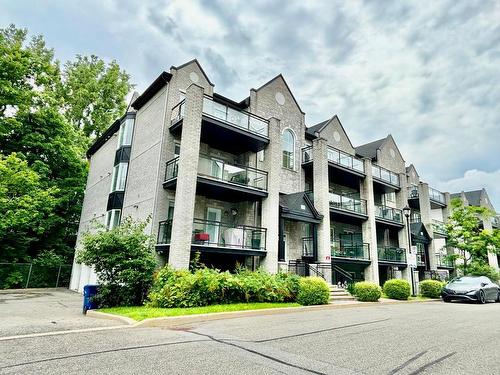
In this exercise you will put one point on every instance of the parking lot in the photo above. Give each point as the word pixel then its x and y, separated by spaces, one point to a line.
pixel 31 311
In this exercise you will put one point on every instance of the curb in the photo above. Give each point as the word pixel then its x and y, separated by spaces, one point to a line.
pixel 103 315
pixel 173 321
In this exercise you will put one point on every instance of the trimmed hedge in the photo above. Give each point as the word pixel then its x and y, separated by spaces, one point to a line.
pixel 313 291
pixel 367 292
pixel 397 289
pixel 431 288
pixel 206 286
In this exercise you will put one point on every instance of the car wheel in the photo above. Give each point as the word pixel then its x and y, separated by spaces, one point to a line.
pixel 446 300
pixel 498 296
pixel 481 298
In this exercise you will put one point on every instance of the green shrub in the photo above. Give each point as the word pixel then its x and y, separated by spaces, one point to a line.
pixel 205 286
pixel 431 288
pixel 123 259
pixel 350 289
pixel 367 292
pixel 397 289
pixel 313 291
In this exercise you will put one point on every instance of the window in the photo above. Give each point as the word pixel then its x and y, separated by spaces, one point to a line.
pixel 177 149
pixel 288 146
pixel 125 134
pixel 260 155
pixel 113 219
pixel 390 197
pixel 119 177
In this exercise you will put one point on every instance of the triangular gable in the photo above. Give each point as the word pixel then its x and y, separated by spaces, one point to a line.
pixel 419 233
pixel 280 76
pixel 335 120
pixel 199 66
pixel 298 206
pixel 389 139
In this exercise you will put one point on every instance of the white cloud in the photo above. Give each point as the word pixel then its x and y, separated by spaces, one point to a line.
pixel 429 73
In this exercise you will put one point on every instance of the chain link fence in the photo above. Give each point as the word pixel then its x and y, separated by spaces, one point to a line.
pixel 29 275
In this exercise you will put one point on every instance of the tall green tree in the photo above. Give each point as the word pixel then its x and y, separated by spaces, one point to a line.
pixel 27 208
pixel 466 234
pixel 94 93
pixel 37 120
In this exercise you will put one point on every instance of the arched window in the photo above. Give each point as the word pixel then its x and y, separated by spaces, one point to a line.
pixel 288 147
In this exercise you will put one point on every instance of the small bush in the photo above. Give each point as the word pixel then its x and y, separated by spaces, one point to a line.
pixel 397 289
pixel 350 289
pixel 367 292
pixel 483 269
pixel 431 288
pixel 313 291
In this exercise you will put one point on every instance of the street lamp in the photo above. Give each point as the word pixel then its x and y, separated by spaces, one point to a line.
pixel 407 212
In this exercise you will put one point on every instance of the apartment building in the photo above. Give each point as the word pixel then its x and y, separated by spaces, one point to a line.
pixel 247 183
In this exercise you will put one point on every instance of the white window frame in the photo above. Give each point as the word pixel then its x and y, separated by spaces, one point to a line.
pixel 126 132
pixel 291 165
pixel 113 218
pixel 119 177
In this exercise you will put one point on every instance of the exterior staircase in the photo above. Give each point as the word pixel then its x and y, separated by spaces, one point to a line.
pixel 338 294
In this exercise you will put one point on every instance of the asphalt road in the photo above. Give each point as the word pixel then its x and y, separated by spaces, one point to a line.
pixel 420 338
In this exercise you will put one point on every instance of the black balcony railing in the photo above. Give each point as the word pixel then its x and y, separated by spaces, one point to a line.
pixel 238 118
pixel 178 112
pixel 347 203
pixel 355 251
pixel 385 175
pixel 232 173
pixel 307 246
pixel 413 192
pixel 217 234
pixel 219 170
pixel 348 161
pixel 391 254
pixel 172 168
pixel 389 213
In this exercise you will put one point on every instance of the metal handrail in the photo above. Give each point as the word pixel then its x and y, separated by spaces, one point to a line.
pixel 344 273
pixel 391 254
pixel 226 117
pixel 395 214
pixel 340 157
pixel 347 203
pixel 177 111
pixel 378 173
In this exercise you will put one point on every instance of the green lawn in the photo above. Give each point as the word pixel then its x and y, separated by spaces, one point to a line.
pixel 141 312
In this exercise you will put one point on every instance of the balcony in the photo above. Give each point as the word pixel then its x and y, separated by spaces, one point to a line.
pixel 220 180
pixel 226 128
pixel 337 159
pixel 346 205
pixel 344 161
pixel 439 228
pixel 348 252
pixel 390 254
pixel 443 261
pixel 217 237
pixel 388 215
pixel 385 177
pixel 437 198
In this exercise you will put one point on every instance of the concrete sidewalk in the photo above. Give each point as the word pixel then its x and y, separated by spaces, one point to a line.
pixel 28 311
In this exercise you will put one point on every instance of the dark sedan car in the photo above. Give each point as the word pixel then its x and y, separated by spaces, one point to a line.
pixel 471 288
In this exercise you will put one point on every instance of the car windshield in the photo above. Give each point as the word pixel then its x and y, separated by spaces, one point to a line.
pixel 465 281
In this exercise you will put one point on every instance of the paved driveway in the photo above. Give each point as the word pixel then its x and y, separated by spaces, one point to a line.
pixel 419 338
pixel 43 310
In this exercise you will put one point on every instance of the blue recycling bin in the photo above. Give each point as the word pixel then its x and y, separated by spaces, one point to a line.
pixel 89 292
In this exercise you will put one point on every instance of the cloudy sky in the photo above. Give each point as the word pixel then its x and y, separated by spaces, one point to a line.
pixel 426 72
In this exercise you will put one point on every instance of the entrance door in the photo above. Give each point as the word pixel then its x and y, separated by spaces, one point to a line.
pixel 213 229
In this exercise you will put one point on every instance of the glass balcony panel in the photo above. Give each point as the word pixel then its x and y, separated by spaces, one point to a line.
pixel 357 164
pixel 388 213
pixel 307 246
pixel 391 254
pixel 171 169
pixel 358 251
pixel 164 232
pixel 307 155
pixel 333 155
pixel 237 118
pixel 215 233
